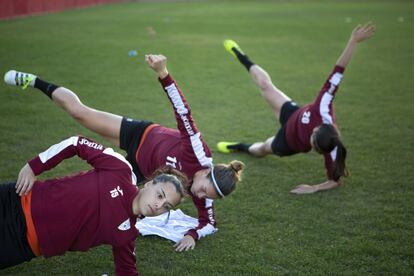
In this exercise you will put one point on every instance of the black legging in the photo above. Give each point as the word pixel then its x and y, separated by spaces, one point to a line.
pixel 14 247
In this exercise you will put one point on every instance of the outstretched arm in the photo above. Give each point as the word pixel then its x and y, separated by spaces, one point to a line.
pixel 329 184
pixel 359 34
pixel 323 103
pixel 310 189
pixel 185 122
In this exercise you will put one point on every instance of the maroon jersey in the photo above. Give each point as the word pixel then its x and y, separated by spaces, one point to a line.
pixel 182 148
pixel 300 124
pixel 75 213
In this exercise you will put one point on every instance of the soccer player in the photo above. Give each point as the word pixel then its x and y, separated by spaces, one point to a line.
pixel 150 146
pixel 78 212
pixel 304 128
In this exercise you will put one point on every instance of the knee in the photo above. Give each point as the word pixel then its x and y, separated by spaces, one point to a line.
pixel 258 149
pixel 263 152
pixel 265 83
pixel 70 102
pixel 78 111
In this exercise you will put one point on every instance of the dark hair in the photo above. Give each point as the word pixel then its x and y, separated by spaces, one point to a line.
pixel 226 176
pixel 326 139
pixel 169 174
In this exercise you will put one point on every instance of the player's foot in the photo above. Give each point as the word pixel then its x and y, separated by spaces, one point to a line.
pixel 230 45
pixel 17 78
pixel 223 147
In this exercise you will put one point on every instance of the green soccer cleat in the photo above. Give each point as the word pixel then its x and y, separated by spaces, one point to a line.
pixel 229 45
pixel 223 147
pixel 17 78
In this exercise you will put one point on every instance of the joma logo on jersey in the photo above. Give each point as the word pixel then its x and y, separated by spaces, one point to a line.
pixel 306 117
pixel 187 125
pixel 90 144
pixel 126 225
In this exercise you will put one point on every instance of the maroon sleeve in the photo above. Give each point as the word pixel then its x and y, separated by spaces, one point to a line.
pixel 193 147
pixel 331 84
pixel 185 123
pixel 206 220
pixel 95 154
pixel 328 165
pixel 124 259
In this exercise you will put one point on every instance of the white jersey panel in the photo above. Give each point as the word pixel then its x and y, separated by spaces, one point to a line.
pixel 57 148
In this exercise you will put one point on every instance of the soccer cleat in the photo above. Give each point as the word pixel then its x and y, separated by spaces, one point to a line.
pixel 17 78
pixel 229 45
pixel 223 146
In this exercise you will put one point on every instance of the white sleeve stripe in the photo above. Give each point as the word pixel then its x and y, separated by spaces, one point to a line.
pixel 327 98
pixel 199 151
pixel 180 107
pixel 209 203
pixel 326 101
pixel 196 143
pixel 206 230
pixel 324 108
pixel 336 78
pixel 176 99
pixel 111 152
pixel 333 153
pixel 57 148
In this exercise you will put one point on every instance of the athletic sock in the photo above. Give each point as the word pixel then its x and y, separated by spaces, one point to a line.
pixel 244 59
pixel 240 147
pixel 45 87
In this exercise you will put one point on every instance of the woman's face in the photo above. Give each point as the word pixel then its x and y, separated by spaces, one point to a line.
pixel 156 199
pixel 202 186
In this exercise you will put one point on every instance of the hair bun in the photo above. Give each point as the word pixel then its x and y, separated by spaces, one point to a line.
pixel 237 166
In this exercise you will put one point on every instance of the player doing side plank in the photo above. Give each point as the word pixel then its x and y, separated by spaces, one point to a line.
pixel 74 213
pixel 150 146
pixel 312 126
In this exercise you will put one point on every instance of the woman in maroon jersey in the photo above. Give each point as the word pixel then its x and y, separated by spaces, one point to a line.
pixel 302 128
pixel 81 211
pixel 150 146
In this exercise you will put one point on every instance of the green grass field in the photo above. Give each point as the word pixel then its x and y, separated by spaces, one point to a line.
pixel 364 227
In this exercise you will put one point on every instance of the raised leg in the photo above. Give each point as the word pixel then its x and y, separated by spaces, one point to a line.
pixel 273 96
pixel 105 124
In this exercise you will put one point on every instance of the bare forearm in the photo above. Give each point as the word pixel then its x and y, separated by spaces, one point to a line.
pixel 310 189
pixel 359 34
pixel 347 53
pixel 327 185
pixel 163 73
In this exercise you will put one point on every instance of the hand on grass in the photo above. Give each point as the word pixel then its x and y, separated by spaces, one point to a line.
pixel 186 243
pixel 361 33
pixel 304 189
pixel 158 63
pixel 25 180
